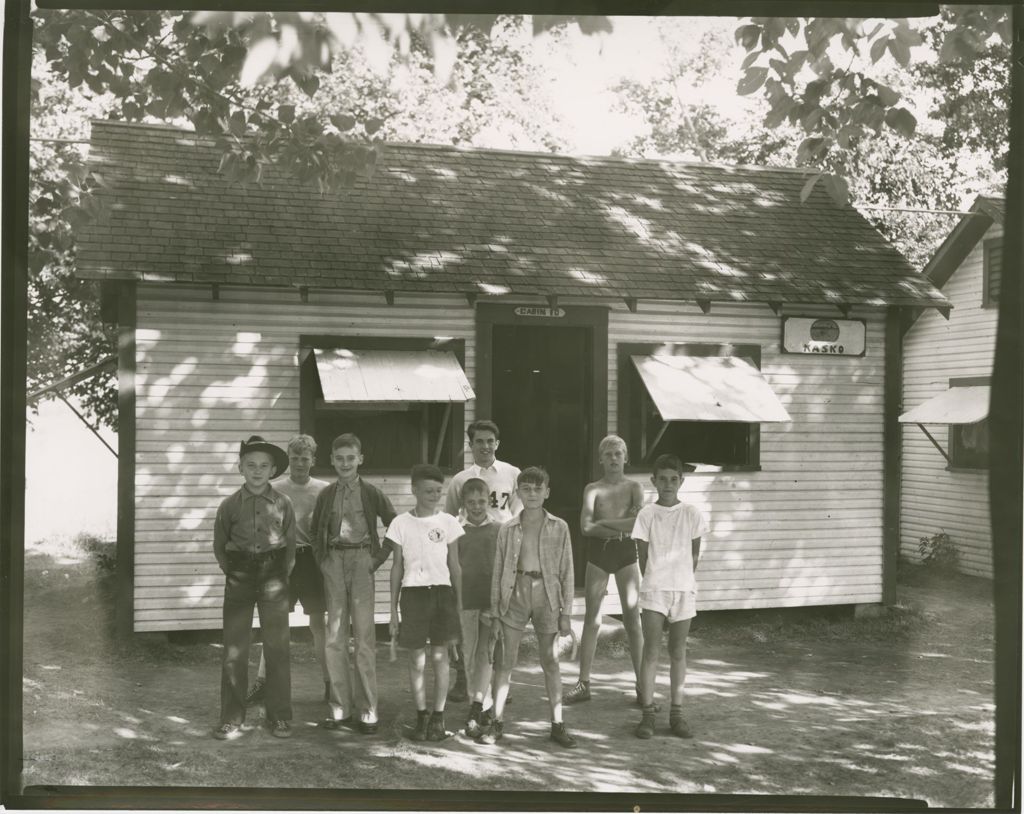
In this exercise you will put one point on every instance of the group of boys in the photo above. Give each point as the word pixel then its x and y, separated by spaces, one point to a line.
pixel 474 575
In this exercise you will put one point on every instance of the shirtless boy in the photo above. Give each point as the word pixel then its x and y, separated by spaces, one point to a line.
pixel 610 506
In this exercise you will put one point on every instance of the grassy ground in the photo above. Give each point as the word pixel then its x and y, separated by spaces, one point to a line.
pixel 780 702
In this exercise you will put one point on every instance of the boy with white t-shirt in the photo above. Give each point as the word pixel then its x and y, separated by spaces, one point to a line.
pixel 671 531
pixel 426 578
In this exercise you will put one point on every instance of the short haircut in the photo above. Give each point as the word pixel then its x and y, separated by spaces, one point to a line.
pixel 347 439
pixel 667 462
pixel 475 486
pixel 610 441
pixel 537 475
pixel 482 424
pixel 302 443
pixel 422 472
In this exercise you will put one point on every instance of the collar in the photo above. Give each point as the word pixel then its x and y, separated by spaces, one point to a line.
pixel 518 519
pixel 354 483
pixel 270 495
pixel 492 468
pixel 470 524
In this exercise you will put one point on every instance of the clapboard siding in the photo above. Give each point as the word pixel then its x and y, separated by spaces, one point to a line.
pixel 935 350
pixel 804 530
pixel 819 488
pixel 211 372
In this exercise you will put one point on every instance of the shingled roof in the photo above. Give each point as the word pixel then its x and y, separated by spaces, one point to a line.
pixel 449 219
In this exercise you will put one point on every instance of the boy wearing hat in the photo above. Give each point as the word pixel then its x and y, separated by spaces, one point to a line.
pixel 254 543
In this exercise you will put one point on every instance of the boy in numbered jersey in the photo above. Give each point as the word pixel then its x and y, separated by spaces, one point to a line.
pixel 671 530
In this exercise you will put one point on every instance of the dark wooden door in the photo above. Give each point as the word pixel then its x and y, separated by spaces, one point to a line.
pixel 541 380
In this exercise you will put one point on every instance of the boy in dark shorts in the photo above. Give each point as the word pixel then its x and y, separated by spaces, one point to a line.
pixel 532 582
pixel 610 506
pixel 348 550
pixel 254 543
pixel 306 583
pixel 476 558
pixel 672 531
pixel 425 578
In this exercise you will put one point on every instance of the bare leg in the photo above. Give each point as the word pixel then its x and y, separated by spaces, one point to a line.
pixel 596 588
pixel 417 665
pixel 439 662
pixel 261 671
pixel 552 674
pixel 318 627
pixel 509 653
pixel 677 633
pixel 652 624
pixel 627 580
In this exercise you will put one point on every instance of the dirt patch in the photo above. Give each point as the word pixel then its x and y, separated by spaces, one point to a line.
pixel 826 708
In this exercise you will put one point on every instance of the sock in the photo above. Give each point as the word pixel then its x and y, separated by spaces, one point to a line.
pixel 675 711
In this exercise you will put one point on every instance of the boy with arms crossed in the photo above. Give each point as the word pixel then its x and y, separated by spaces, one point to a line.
pixel 609 510
pixel 672 531
pixel 306 584
pixel 425 580
pixel 477 547
pixel 254 543
pixel 348 550
pixel 532 581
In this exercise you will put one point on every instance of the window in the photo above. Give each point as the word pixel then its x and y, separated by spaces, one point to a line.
pixel 968 443
pixel 657 396
pixel 992 264
pixel 396 432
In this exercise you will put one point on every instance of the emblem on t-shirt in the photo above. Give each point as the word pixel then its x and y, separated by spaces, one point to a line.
pixel 436 535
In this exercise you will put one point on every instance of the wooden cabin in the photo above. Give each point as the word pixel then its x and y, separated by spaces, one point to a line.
pixel 691 308
pixel 947 368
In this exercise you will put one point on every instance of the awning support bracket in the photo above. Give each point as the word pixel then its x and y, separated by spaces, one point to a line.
pixel 657 440
pixel 92 429
pixel 440 437
pixel 935 443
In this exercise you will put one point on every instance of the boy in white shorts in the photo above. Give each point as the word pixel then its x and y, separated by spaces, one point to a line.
pixel 671 530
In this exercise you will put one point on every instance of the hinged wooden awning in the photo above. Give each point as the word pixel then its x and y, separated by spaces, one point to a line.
pixel 348 376
pixel 709 388
pixel 958 405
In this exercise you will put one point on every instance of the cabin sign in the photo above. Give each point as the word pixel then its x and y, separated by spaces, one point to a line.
pixel 834 337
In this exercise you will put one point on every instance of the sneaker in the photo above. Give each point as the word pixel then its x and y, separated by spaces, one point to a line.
pixel 487 717
pixel 256 692
pixel 227 732
pixel 580 692
pixel 645 729
pixel 368 727
pixel 280 729
pixel 561 736
pixel 419 733
pixel 337 723
pixel 435 729
pixel 473 728
pixel 459 693
pixel 677 723
pixel 494 732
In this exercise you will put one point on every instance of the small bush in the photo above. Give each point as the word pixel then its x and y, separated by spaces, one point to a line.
pixel 939 552
pixel 102 552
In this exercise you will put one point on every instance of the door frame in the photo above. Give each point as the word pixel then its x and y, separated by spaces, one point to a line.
pixel 593 318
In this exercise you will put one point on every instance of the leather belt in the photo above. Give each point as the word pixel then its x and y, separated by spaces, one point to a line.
pixel 348 546
pixel 531 574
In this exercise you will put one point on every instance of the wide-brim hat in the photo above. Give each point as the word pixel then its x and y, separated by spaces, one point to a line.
pixel 258 444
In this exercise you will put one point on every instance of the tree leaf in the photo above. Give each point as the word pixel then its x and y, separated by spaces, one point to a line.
pixel 751 81
pixel 808 187
pixel 750 59
pixel 343 121
pixel 878 48
pixel 900 52
pixel 286 114
pixel 810 148
pixel 236 124
pixel 371 126
pixel 747 35
pixel 901 119
pixel 837 189
pixel 887 95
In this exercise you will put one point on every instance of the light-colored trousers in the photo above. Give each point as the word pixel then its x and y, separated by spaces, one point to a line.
pixel 348 585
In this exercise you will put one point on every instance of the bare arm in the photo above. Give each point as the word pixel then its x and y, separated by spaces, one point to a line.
pixel 397 572
pixel 695 542
pixel 455 572
pixel 595 528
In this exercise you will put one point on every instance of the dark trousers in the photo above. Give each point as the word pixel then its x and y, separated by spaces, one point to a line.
pixel 259 582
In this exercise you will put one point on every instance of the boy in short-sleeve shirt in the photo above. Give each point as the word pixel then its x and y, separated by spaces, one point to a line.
pixel 672 532
pixel 426 580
